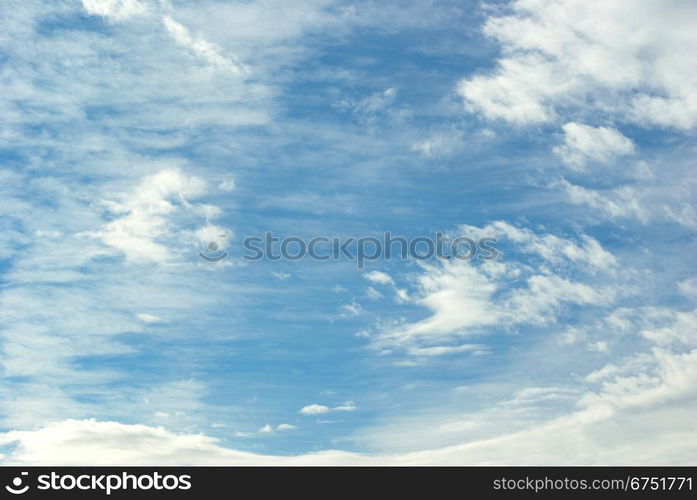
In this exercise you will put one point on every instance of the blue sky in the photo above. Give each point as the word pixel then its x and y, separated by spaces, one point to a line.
pixel 135 132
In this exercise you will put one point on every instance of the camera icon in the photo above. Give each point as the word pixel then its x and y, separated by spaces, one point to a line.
pixel 16 487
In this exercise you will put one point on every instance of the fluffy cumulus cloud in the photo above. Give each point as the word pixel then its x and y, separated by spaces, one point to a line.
pixel 101 443
pixel 583 143
pixel 317 409
pixel 643 203
pixel 595 71
pixel 314 409
pixel 146 215
pixel 379 277
pixel 626 59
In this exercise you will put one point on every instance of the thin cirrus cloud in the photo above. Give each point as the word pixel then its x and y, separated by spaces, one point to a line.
pixel 209 52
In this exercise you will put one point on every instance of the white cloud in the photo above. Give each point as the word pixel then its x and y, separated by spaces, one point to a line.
pixel 317 409
pixel 212 54
pixel 375 109
pixel 116 9
pixel 145 215
pixel 675 327
pixel 227 185
pixel 444 349
pixel 599 346
pixel 643 203
pixel 458 297
pixel 629 59
pixel 514 93
pixel 82 442
pixel 214 234
pixel 631 420
pixel 379 277
pixel 265 430
pixel 688 288
pixel 568 62
pixel 345 406
pixel 149 318
pixel 545 294
pixel 285 427
pixel 552 248
pixel 47 343
pixel 92 442
pixel 572 336
pixel 529 395
pixel 623 201
pixel 583 143
pixel 207 51
pixel 352 309
pixel 314 409
pixel 439 144
pixel 605 418
pixel 638 411
pixel 464 299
